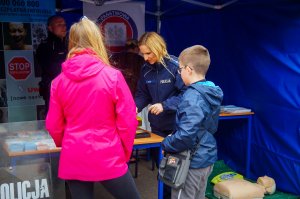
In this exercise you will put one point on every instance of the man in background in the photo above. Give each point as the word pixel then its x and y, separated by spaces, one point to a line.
pixel 50 54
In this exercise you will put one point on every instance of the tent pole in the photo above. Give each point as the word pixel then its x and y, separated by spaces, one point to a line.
pixel 158 19
pixel 217 7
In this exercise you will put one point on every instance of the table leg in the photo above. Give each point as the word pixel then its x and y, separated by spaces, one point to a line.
pixel 248 155
pixel 160 184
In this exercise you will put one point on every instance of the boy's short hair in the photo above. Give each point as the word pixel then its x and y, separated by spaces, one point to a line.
pixel 197 57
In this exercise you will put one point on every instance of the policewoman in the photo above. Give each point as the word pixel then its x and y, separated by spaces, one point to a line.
pixel 159 84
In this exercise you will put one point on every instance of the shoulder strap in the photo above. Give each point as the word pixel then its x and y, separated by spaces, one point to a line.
pixel 193 151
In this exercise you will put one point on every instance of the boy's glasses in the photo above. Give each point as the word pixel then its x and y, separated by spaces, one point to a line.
pixel 180 69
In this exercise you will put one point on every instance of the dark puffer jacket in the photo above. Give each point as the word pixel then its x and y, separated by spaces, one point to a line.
pixel 196 122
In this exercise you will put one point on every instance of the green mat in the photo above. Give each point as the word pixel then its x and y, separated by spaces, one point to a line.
pixel 221 167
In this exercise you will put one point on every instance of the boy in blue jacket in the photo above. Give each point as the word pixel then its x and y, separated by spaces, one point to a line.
pixel 196 121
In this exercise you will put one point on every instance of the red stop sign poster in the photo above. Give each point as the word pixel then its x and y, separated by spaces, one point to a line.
pixel 19 68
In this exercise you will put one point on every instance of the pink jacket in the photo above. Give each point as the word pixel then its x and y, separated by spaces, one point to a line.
pixel 92 117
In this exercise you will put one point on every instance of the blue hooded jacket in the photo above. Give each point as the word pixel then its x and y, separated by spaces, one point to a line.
pixel 160 84
pixel 196 121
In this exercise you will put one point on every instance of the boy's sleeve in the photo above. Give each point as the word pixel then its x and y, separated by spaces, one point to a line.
pixel 190 116
pixel 172 102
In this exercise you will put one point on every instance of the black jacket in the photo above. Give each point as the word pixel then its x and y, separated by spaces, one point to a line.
pixel 159 84
pixel 49 55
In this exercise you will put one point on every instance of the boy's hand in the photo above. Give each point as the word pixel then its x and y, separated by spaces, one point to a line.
pixel 156 108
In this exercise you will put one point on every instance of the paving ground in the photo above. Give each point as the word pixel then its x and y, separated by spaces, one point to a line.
pixel 146 181
pixel 147 184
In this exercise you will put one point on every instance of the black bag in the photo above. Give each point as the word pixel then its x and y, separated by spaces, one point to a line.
pixel 173 169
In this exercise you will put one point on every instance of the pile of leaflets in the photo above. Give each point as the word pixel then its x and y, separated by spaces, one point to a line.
pixel 234 109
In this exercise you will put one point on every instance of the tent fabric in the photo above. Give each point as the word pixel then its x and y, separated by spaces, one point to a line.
pixel 255 51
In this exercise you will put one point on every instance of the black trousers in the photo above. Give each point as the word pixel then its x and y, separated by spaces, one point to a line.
pixel 121 188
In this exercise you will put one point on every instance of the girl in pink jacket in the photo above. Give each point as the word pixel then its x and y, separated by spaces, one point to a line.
pixel 92 117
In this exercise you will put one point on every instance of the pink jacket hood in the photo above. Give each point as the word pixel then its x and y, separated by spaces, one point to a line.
pixel 82 66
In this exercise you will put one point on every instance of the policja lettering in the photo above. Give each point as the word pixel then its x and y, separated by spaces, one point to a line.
pixel 165 81
pixel 7 191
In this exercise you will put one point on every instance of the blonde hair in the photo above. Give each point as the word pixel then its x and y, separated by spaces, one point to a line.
pixel 156 45
pixel 86 34
pixel 197 57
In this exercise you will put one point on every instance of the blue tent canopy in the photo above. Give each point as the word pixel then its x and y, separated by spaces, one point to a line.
pixel 255 52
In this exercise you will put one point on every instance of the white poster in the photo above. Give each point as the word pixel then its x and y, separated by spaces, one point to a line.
pixel 118 21
pixel 22 27
pixel 21 83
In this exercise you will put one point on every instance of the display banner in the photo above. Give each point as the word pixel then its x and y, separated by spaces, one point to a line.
pixel 19 182
pixel 118 21
pixel 22 27
pixel 26 10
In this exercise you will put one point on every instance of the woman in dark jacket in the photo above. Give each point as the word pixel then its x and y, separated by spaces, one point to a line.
pixel 159 85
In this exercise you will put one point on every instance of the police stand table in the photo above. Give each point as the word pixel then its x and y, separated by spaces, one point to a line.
pixel 14 156
pixel 154 141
